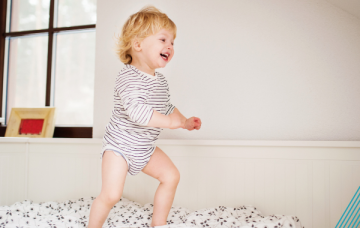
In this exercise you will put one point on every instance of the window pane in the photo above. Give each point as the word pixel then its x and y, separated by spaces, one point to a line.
pixel 27 72
pixel 29 14
pixel 74 78
pixel 5 79
pixel 72 13
pixel 8 8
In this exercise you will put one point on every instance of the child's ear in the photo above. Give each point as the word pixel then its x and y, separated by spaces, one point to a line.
pixel 136 44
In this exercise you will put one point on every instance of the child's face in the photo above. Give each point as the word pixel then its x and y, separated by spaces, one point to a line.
pixel 157 50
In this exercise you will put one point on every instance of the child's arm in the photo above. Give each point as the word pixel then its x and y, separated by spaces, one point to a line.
pixel 174 120
pixel 191 123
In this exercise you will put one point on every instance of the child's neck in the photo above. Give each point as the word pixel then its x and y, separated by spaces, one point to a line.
pixel 143 68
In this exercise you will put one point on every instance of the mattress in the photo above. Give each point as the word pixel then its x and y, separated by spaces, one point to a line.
pixel 127 213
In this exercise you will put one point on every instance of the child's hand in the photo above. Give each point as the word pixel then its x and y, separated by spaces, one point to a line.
pixel 193 123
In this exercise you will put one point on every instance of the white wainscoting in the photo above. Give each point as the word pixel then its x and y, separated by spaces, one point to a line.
pixel 312 180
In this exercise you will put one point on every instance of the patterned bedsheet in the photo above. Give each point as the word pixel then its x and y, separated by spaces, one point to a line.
pixel 127 213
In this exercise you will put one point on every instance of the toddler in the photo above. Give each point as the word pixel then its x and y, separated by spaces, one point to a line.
pixel 142 108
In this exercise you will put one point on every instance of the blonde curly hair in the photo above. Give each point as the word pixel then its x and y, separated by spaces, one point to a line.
pixel 148 21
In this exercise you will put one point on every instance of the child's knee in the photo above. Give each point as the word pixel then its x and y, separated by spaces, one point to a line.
pixel 110 199
pixel 172 177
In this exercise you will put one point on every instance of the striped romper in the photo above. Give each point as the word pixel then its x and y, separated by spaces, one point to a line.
pixel 136 95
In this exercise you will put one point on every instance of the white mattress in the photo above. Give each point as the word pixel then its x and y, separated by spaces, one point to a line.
pixel 127 213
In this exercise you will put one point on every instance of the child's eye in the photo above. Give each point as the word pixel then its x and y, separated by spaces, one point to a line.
pixel 163 40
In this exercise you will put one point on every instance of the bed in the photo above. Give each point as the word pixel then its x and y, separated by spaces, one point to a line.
pixel 293 183
pixel 127 213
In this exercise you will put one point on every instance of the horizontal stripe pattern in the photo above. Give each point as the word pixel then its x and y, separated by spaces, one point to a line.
pixel 136 95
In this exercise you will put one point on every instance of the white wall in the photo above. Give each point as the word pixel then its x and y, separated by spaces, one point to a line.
pixel 250 69
pixel 351 6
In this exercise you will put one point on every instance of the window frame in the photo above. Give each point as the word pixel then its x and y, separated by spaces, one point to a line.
pixel 60 131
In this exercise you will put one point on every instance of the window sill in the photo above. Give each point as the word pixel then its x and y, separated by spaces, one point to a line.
pixel 49 140
pixel 64 132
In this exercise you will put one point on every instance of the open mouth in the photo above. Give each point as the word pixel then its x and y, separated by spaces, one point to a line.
pixel 165 56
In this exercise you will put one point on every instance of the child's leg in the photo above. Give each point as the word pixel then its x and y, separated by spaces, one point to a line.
pixel 162 168
pixel 113 169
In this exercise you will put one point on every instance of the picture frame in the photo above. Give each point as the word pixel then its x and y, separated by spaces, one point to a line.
pixel 31 122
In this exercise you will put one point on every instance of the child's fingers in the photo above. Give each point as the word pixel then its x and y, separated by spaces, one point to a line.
pixel 197 123
pixel 197 120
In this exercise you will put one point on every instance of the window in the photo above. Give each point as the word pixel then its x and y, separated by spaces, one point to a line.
pixel 47 58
